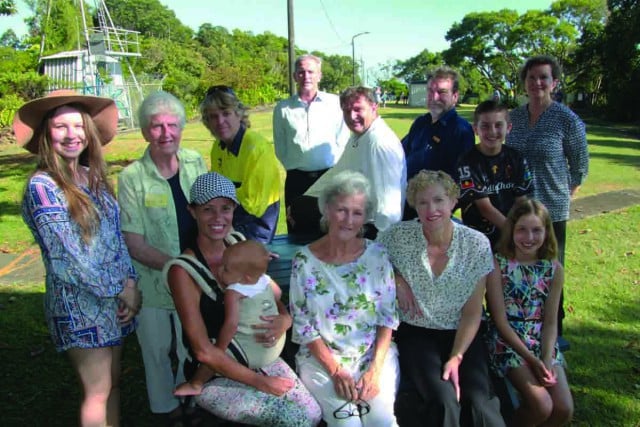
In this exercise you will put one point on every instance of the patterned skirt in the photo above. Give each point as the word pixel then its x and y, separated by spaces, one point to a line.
pixel 241 403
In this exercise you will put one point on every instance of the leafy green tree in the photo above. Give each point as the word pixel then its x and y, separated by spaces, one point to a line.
pixel 418 67
pixel 337 72
pixel 10 39
pixel 150 17
pixel 393 86
pixel 255 65
pixel 18 74
pixel 8 7
pixel 497 43
pixel 474 87
pixel 180 67
pixel 215 44
pixel 582 65
pixel 57 24
pixel 621 60
pixel 486 40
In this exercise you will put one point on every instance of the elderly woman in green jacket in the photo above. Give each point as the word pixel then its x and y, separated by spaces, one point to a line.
pixel 157 226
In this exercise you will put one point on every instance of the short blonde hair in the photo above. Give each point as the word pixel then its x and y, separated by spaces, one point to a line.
pixel 425 178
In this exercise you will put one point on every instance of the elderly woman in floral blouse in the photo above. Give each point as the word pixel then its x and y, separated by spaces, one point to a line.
pixel 344 309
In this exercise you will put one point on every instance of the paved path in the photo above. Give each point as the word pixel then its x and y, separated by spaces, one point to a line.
pixel 27 267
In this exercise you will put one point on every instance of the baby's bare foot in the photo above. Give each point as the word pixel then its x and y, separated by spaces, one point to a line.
pixel 187 389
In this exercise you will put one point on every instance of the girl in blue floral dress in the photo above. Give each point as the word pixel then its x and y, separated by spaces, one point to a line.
pixel 523 296
pixel 69 206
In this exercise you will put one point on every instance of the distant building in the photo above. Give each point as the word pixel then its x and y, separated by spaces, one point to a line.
pixel 97 68
pixel 418 93
pixel 98 75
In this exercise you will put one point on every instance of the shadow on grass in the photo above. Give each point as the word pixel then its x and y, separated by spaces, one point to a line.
pixel 615 143
pixel 600 361
pixel 38 385
pixel 17 165
pixel 114 167
pixel 401 115
pixel 604 128
pixel 621 159
pixel 40 388
pixel 612 138
pixel 9 208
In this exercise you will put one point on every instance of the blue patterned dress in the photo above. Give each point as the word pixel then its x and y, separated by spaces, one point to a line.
pixel 525 289
pixel 82 280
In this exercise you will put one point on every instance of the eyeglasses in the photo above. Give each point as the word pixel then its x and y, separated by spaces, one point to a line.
pixel 356 408
pixel 221 89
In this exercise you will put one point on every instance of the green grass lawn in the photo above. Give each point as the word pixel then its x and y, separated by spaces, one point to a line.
pixel 602 292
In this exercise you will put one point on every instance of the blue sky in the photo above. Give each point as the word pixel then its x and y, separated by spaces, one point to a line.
pixel 398 29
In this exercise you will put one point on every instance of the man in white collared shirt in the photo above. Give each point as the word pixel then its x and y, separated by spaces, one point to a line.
pixel 373 150
pixel 309 133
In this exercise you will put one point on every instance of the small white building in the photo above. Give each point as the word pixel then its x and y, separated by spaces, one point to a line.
pixel 98 75
pixel 418 93
pixel 97 70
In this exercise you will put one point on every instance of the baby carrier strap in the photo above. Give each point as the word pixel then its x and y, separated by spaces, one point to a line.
pixel 207 282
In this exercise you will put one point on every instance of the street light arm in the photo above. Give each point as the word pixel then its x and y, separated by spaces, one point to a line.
pixel 353 54
pixel 359 34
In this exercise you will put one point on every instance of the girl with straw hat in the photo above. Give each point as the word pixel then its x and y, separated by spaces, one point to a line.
pixel 90 295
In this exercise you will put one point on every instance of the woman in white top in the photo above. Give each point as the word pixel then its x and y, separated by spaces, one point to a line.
pixel 441 269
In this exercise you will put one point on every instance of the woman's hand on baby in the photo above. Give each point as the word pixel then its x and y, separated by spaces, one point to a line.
pixel 272 329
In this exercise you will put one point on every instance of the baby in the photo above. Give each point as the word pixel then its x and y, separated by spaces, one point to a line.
pixel 249 293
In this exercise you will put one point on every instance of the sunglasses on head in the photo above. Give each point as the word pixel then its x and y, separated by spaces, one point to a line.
pixel 220 89
pixel 356 408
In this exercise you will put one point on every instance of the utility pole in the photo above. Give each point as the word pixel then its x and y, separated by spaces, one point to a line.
pixel 353 55
pixel 292 47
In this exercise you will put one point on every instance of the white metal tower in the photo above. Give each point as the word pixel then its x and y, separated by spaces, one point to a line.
pixel 96 67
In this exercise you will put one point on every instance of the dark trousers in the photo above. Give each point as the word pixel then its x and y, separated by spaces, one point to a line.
pixel 423 354
pixel 297 182
pixel 306 218
pixel 295 185
pixel 560 230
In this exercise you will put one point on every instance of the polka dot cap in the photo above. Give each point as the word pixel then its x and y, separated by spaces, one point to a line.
pixel 210 186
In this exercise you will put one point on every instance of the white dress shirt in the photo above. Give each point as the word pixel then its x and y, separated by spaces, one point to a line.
pixel 309 137
pixel 379 156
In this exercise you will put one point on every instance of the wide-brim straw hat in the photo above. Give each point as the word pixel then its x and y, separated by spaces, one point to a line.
pixel 29 117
